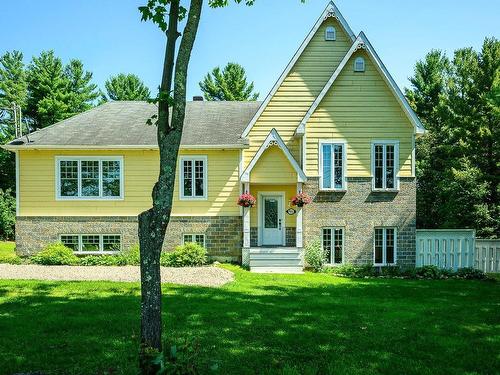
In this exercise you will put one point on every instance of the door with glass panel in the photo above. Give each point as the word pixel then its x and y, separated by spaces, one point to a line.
pixel 272 220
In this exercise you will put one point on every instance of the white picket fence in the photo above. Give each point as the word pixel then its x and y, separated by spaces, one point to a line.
pixel 456 248
pixel 487 255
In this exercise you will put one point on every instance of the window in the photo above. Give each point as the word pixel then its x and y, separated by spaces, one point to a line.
pixel 193 179
pixel 330 33
pixel 92 243
pixel 196 238
pixel 332 166
pixel 89 178
pixel 385 157
pixel 359 64
pixel 385 246
pixel 333 245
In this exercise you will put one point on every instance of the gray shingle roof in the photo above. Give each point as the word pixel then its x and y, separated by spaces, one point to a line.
pixel 123 123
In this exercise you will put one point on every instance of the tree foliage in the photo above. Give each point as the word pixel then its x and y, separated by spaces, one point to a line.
pixel 229 84
pixel 126 87
pixel 458 160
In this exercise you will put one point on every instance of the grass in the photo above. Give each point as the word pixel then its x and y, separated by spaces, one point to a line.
pixel 259 324
pixel 8 254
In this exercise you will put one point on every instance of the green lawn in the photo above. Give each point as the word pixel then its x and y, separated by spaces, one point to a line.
pixel 7 252
pixel 260 324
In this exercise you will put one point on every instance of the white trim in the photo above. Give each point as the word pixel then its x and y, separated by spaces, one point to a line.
pixel 101 243
pixel 363 42
pixel 299 239
pixel 332 142
pixel 385 142
pixel 246 219
pixel 273 136
pixel 331 10
pixel 79 159
pixel 193 158
pixel 18 187
pixel 120 147
pixel 413 157
pixel 193 236
pixel 332 252
pixel 384 247
pixel 260 219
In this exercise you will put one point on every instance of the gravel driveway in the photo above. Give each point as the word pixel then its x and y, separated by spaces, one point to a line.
pixel 203 276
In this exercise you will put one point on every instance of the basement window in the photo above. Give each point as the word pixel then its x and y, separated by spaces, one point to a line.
pixel 195 238
pixel 333 245
pixel 92 243
pixel 330 33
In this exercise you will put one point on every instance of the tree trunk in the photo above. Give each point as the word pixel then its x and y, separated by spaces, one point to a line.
pixel 153 222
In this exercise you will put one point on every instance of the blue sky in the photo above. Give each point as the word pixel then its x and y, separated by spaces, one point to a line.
pixel 109 38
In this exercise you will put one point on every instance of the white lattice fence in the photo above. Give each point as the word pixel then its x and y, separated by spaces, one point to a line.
pixel 446 248
pixel 488 255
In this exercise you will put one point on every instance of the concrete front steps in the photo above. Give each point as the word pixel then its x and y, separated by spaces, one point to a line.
pixel 276 260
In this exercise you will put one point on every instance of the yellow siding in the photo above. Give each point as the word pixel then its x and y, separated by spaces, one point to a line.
pixel 299 89
pixel 289 190
pixel 273 167
pixel 359 108
pixel 37 185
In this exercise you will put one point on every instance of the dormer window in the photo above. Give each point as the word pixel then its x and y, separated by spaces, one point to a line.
pixel 330 33
pixel 359 64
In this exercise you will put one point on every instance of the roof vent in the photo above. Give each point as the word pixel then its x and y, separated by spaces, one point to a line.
pixel 197 98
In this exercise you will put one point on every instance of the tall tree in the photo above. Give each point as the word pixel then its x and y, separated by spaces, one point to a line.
pixel 153 222
pixel 48 97
pixel 126 87
pixel 229 84
pixel 82 92
pixel 13 89
pixel 458 161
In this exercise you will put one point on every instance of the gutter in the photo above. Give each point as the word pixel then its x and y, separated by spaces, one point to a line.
pixel 25 147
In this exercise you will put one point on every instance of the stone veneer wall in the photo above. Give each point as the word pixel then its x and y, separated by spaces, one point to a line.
pixel 223 235
pixel 359 211
pixel 290 235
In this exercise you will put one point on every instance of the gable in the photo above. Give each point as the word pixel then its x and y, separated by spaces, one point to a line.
pixel 359 107
pixel 302 82
pixel 273 166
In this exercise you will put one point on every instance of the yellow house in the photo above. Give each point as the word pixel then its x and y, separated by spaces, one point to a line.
pixel 335 129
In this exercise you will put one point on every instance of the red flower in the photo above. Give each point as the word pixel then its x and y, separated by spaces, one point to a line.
pixel 301 199
pixel 246 200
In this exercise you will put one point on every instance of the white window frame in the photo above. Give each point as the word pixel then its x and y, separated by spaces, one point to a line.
pixel 384 247
pixel 330 29
pixel 332 253
pixel 193 158
pixel 79 159
pixel 193 237
pixel 101 242
pixel 333 142
pixel 359 59
pixel 384 143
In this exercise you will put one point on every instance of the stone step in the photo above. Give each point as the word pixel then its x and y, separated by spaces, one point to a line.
pixel 284 270
pixel 275 262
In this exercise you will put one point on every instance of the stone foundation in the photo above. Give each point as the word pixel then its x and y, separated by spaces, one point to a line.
pixel 223 235
pixel 290 235
pixel 359 211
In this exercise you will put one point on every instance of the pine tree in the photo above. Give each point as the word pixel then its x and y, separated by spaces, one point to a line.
pixel 126 87
pixel 82 93
pixel 229 84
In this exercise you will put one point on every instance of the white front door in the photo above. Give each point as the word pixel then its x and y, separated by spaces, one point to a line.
pixel 272 220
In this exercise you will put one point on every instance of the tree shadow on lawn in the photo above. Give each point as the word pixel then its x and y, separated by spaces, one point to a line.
pixel 264 324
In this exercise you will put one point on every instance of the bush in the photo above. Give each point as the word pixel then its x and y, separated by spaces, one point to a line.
pixel 56 254
pixel 471 274
pixel 349 270
pixel 132 256
pixel 188 255
pixel 314 255
pixel 103 260
pixel 428 272
pixel 7 215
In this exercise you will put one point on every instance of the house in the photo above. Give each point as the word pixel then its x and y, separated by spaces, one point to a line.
pixel 334 126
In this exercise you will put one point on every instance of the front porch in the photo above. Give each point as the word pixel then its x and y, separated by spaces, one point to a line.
pixel 272 229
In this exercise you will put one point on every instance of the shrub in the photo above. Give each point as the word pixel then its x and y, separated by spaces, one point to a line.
pixel 55 254
pixel 188 255
pixel 349 270
pixel 103 260
pixel 428 272
pixel 471 274
pixel 132 256
pixel 7 215
pixel 314 255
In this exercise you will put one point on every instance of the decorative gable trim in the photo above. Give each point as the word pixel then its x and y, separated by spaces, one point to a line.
pixel 331 10
pixel 273 139
pixel 362 42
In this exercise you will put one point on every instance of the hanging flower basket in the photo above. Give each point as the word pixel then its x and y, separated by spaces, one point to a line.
pixel 246 200
pixel 301 199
